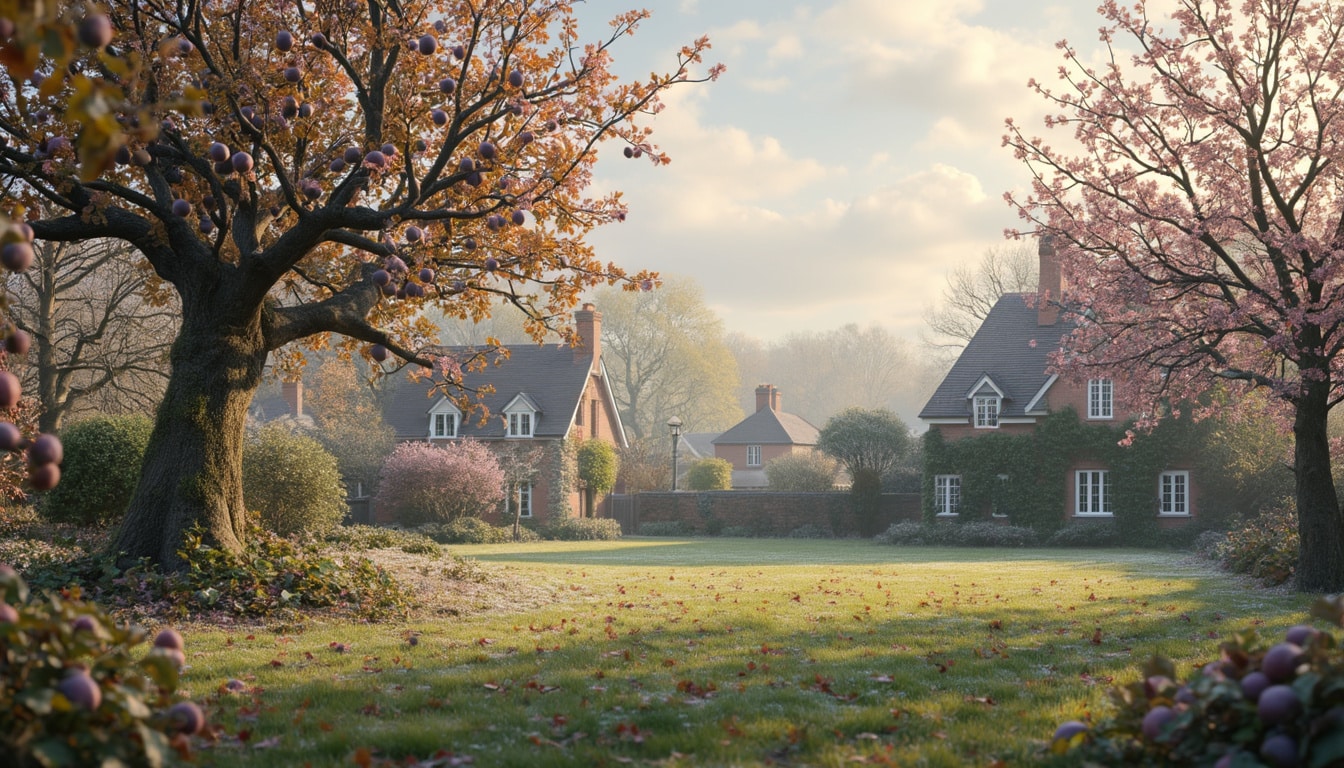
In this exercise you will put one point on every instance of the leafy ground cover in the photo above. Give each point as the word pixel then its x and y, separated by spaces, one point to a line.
pixel 726 652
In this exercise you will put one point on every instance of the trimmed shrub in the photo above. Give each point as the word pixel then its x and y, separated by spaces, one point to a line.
pixel 1100 533
pixel 292 482
pixel 665 528
pixel 1207 543
pixel 472 530
pixel 810 531
pixel 427 483
pixel 365 537
pixel 710 475
pixel 866 493
pixel 597 466
pixel 100 469
pixel 802 473
pixel 74 692
pixel 582 529
pixel 1264 546
pixel 957 534
pixel 1271 701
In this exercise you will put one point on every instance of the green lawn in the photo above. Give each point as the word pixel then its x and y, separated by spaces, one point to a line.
pixel 731 652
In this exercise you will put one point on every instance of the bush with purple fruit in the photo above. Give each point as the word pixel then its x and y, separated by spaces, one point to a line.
pixel 74 695
pixel 1264 702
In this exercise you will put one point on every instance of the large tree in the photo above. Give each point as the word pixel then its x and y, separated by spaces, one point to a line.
pixel 1199 218
pixel 873 441
pixel 294 171
pixel 100 330
pixel 974 290
pixel 666 354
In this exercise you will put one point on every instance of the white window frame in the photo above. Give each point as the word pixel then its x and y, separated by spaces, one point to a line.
pixel 1092 493
pixel 753 455
pixel 446 410
pixel 947 495
pixel 1100 399
pixel 449 420
pixel 986 409
pixel 1173 494
pixel 523 493
pixel 521 424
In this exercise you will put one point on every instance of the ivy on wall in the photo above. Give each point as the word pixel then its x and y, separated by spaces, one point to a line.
pixel 1027 477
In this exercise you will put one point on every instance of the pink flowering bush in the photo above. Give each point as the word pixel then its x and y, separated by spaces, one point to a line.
pixel 426 483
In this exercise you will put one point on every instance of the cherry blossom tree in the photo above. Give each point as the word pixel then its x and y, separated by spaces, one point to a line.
pixel 430 483
pixel 1198 212
pixel 297 170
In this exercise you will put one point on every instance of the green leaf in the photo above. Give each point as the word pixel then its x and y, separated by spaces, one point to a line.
pixel 156 745
pixel 53 753
pixel 1327 750
pixel 37 701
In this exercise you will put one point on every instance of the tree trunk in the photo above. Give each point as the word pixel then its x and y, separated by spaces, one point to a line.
pixel 1320 524
pixel 192 472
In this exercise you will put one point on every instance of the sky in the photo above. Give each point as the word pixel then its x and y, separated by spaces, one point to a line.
pixel 849 158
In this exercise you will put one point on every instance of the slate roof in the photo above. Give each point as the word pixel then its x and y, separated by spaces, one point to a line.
pixel 698 444
pixel 1003 350
pixel 551 376
pixel 769 427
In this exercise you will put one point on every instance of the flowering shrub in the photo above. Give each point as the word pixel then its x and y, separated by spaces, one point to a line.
pixel 74 693
pixel 1262 702
pixel 427 483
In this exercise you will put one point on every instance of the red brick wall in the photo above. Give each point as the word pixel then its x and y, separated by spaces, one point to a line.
pixel 766 513
pixel 958 431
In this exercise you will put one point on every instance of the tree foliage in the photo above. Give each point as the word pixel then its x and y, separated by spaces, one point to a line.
pixel 819 373
pixel 1198 220
pixel 350 424
pixel 866 440
pixel 598 465
pixel 710 475
pixel 292 482
pixel 102 466
pixel 666 354
pixel 292 174
pixel 645 465
pixel 802 472
pixel 101 325
pixel 425 483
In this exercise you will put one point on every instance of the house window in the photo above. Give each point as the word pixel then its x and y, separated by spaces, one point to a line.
pixel 753 455
pixel 1094 492
pixel 1174 494
pixel 519 501
pixel 520 425
pixel 947 494
pixel 1100 399
pixel 986 412
pixel 443 425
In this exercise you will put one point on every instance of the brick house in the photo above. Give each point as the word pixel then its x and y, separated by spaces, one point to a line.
pixel 764 435
pixel 547 399
pixel 1000 387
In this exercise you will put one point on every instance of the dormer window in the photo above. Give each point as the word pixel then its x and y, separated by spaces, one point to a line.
pixel 521 416
pixel 444 420
pixel 986 400
pixel 986 412
pixel 520 425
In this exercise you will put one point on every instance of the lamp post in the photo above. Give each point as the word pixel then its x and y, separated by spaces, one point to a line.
pixel 674 424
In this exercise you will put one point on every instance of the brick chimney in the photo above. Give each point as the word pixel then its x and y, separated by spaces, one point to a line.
pixel 1051 285
pixel 767 397
pixel 292 391
pixel 588 325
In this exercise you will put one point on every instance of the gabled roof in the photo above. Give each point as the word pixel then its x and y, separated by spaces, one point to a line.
pixel 1011 350
pixel 698 444
pixel 770 427
pixel 551 379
